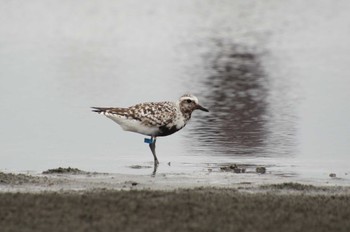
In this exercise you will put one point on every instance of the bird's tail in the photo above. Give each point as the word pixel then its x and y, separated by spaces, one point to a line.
pixel 109 110
pixel 100 110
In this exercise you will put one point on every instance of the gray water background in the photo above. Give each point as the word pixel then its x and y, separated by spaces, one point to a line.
pixel 274 74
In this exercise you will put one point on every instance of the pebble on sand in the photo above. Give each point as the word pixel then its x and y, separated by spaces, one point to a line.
pixel 332 175
pixel 260 170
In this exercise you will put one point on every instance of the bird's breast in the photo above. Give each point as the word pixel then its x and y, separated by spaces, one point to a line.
pixel 171 128
pixel 167 130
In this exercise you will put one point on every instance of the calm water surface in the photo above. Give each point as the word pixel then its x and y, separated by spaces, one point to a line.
pixel 275 76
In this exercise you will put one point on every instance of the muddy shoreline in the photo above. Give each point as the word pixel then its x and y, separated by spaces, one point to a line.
pixel 81 201
pixel 206 209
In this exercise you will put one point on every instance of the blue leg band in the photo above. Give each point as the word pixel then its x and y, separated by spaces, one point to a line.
pixel 149 141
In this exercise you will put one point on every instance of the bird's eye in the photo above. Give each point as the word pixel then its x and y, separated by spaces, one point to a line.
pixel 189 101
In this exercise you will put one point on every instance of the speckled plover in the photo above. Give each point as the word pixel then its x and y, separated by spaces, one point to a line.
pixel 154 118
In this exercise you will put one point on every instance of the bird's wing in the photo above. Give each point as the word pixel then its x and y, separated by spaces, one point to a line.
pixel 153 113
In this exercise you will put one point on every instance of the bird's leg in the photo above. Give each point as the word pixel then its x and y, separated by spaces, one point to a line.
pixel 152 145
pixel 155 167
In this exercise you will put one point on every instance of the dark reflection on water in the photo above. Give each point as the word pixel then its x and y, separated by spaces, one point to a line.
pixel 236 93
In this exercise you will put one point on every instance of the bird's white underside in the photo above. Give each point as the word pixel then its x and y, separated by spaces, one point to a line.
pixel 132 125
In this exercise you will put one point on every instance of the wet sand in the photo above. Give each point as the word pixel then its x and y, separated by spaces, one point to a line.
pixel 89 202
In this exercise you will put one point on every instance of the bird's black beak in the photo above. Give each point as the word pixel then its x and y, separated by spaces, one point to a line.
pixel 199 107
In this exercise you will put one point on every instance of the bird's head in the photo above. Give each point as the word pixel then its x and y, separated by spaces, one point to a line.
pixel 188 103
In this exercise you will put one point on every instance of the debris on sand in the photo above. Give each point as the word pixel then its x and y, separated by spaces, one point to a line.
pixel 234 168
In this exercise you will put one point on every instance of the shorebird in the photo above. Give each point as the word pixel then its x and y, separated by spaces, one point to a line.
pixel 154 119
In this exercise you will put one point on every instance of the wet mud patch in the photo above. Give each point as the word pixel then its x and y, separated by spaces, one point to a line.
pixel 140 166
pixel 19 179
pixel 69 170
pixel 293 186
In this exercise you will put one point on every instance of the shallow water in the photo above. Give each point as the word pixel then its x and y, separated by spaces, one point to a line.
pixel 274 75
